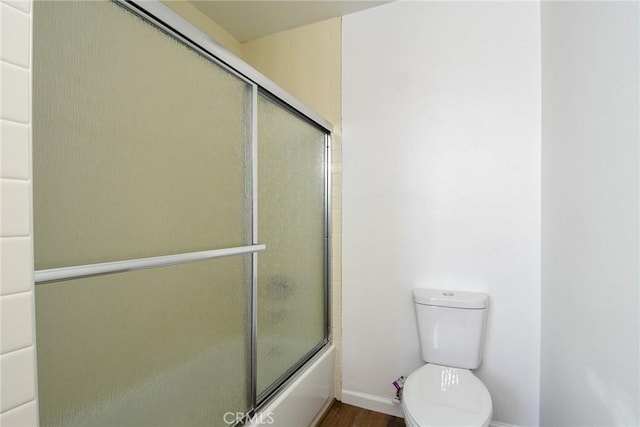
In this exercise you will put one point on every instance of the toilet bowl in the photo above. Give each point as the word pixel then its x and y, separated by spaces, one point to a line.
pixel 445 392
pixel 440 396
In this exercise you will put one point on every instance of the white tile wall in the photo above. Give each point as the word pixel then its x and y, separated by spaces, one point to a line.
pixel 17 380
pixel 14 100
pixel 23 5
pixel 23 416
pixel 18 404
pixel 16 322
pixel 15 36
pixel 15 159
pixel 14 209
pixel 16 265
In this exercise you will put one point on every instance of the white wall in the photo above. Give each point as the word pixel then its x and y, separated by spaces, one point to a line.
pixel 590 182
pixel 441 125
pixel 18 405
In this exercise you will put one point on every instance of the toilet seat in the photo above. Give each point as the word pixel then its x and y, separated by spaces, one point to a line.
pixel 439 396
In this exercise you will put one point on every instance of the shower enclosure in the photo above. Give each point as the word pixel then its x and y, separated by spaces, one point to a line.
pixel 180 222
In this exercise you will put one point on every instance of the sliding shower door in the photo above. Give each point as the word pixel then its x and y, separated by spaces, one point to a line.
pixel 292 273
pixel 180 225
pixel 142 148
pixel 142 145
pixel 166 346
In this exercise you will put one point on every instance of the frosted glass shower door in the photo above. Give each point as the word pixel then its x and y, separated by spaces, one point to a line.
pixel 292 223
pixel 142 148
pixel 141 144
pixel 158 347
pixel 148 147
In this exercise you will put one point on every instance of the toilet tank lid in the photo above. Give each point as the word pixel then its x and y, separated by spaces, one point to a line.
pixel 451 299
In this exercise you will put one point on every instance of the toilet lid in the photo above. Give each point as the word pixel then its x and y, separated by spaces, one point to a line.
pixel 436 395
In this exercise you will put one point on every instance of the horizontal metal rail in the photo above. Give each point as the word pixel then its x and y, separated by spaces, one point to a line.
pixel 89 270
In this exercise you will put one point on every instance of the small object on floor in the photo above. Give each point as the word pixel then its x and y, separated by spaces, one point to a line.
pixel 399 385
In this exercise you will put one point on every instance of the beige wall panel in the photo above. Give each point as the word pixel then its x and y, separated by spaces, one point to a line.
pixel 200 20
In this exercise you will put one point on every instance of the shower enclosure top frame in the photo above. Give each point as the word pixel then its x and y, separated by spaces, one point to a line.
pixel 165 18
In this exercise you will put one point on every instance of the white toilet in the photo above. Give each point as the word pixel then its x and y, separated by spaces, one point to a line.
pixel 445 392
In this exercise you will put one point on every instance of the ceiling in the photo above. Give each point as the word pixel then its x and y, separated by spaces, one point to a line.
pixel 249 19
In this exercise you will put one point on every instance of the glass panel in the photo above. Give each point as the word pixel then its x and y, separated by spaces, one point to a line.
pixel 163 346
pixel 291 200
pixel 139 142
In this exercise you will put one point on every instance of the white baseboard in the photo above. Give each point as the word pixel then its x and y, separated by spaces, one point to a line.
pixel 372 402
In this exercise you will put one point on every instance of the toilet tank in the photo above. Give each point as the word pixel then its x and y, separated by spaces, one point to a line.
pixel 451 326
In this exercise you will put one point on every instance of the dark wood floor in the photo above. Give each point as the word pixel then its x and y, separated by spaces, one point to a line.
pixel 343 415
